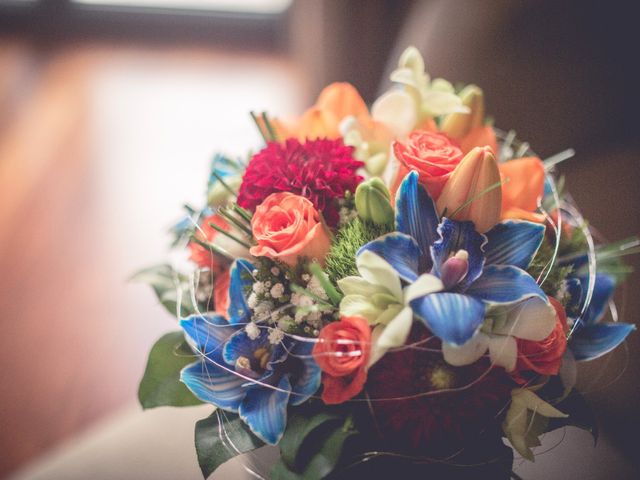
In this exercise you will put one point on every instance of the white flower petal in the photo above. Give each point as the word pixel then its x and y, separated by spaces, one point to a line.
pixel 424 285
pixel 377 351
pixel 467 353
pixel 359 286
pixel 377 271
pixel 397 330
pixel 503 351
pixel 533 319
pixel 360 306
pixel 397 110
pixel 436 103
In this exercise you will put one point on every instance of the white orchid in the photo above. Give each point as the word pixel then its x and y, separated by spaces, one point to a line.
pixel 378 296
pixel 532 319
pixel 418 99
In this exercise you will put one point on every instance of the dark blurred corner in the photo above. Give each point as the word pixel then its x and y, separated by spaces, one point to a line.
pixel 108 114
pixel 562 74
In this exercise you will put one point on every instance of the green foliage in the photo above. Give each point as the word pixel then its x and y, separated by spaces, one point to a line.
pixel 167 283
pixel 161 385
pixel 540 265
pixel 312 445
pixel 212 449
pixel 341 260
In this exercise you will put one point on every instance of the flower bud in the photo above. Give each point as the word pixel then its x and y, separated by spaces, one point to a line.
pixel 458 125
pixel 373 202
pixel 473 190
pixel 455 269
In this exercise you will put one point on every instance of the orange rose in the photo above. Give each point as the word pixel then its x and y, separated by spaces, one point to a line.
pixel 342 352
pixel 286 227
pixel 545 357
pixel 433 155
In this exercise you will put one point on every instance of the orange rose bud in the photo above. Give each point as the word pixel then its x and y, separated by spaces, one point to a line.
pixel 342 353
pixel 287 227
pixel 471 192
pixel 523 188
pixel 341 99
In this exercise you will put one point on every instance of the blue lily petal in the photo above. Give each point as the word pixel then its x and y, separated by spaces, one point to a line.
pixel 207 334
pixel 240 345
pixel 416 216
pixel 602 293
pixel 307 381
pixel 573 288
pixel 264 410
pixel 502 284
pixel 513 242
pixel 213 384
pixel 240 281
pixel 452 317
pixel 592 341
pixel 400 250
pixel 456 236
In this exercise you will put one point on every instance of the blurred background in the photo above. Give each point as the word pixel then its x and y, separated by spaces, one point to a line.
pixel 110 111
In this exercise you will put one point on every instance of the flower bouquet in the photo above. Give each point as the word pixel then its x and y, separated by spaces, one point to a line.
pixel 403 288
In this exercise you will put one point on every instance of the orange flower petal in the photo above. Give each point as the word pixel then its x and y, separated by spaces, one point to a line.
pixel 479 137
pixel 525 185
pixel 341 99
pixel 317 123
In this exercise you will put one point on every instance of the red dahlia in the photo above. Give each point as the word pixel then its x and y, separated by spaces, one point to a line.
pixel 440 424
pixel 320 170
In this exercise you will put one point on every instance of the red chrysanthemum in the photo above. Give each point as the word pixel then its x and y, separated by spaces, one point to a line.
pixel 320 170
pixel 437 424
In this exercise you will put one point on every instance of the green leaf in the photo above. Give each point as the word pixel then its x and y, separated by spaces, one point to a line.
pixel 166 283
pixel 580 415
pixel 221 437
pixel 312 444
pixel 299 428
pixel 161 385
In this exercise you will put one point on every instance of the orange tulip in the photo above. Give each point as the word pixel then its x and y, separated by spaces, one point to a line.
pixel 317 123
pixel 342 99
pixel 468 195
pixel 479 137
pixel 336 102
pixel 523 188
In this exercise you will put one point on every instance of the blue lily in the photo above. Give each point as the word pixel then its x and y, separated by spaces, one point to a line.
pixel 479 274
pixel 591 337
pixel 244 374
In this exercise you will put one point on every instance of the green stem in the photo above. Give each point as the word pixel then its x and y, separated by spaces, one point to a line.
pixel 267 124
pixel 298 289
pixel 331 291
pixel 265 135
pixel 213 248
pixel 224 213
pixel 229 235
pixel 225 184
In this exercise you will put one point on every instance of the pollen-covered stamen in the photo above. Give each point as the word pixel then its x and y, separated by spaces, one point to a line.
pixel 262 355
pixel 243 367
pixel 455 269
